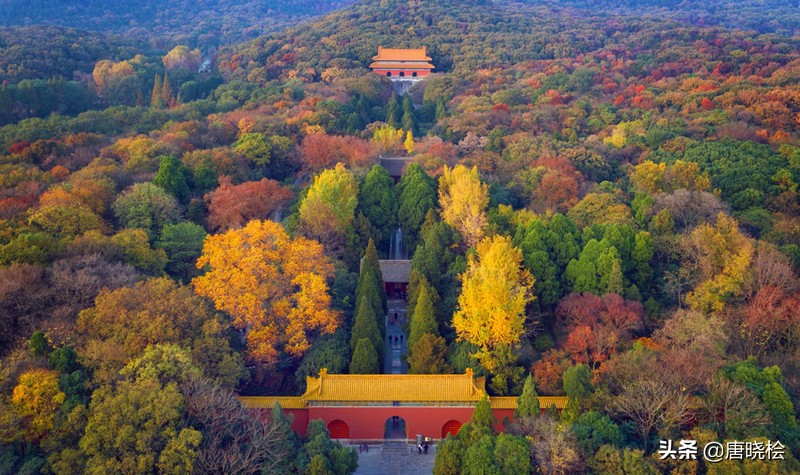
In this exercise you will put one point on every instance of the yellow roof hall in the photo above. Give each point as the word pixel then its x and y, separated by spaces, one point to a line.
pixel 395 387
pixel 434 389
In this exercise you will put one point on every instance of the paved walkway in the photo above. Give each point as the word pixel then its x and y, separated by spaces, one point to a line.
pixel 395 458
pixel 394 363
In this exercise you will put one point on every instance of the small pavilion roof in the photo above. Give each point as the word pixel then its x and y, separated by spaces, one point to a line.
pixel 395 271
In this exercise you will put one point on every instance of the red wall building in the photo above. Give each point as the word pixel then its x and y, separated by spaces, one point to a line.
pixel 398 406
pixel 401 63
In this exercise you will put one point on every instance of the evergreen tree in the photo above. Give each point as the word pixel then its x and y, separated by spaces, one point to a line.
pixel 441 112
pixel 366 290
pixel 338 460
pixel 366 327
pixel 424 318
pixel 415 279
pixel 378 201
pixel 288 441
pixel 578 381
pixel 434 254
pixel 393 112
pixel 172 178
pixel 417 196
pixel 167 93
pixel 365 358
pixel 408 115
pixel 512 454
pixel 483 417
pixel 39 344
pixel 615 279
pixel 449 456
pixel 528 401
pixel 156 100
pixel 429 356
pixel 479 459
pixel 183 243
pixel 577 386
pixel 371 269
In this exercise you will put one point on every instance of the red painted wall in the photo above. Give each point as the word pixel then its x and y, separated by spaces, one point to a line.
pixel 396 72
pixel 369 423
pixel 299 422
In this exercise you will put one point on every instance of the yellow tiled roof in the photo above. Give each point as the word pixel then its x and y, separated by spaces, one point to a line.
pixel 286 402
pixel 401 54
pixel 395 387
pixel 368 388
pixel 544 402
pixel 400 65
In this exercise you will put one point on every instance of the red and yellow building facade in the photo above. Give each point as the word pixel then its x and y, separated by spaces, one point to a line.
pixel 402 63
pixel 362 406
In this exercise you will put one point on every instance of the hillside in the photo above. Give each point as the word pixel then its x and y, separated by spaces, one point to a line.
pixel 466 35
pixel 601 204
pixel 774 16
pixel 43 52
pixel 460 35
pixel 201 23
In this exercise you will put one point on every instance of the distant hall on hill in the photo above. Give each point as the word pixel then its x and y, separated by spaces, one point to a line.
pixel 411 64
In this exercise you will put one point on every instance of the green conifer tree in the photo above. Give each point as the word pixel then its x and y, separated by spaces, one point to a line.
pixel 441 112
pixel 528 401
pixel 429 356
pixel 288 442
pixel 424 319
pixel 377 199
pixel 155 98
pixel 167 93
pixel 365 358
pixel 408 115
pixel 371 269
pixel 393 112
pixel 417 196
pixel 483 417
pixel 615 279
pixel 365 326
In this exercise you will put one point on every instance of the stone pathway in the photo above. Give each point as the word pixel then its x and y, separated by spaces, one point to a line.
pixel 395 458
pixel 394 363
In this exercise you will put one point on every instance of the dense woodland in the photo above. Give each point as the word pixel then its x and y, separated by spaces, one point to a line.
pixel 614 198
pixel 204 23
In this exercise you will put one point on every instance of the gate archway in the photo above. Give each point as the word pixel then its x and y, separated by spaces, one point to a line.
pixel 338 429
pixel 395 428
pixel 450 427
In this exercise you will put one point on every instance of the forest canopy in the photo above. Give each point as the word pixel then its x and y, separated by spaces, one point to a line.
pixel 594 200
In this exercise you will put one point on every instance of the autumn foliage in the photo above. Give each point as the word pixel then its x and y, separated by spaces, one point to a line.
pixel 598 326
pixel 491 307
pixel 273 286
pixel 232 206
pixel 319 151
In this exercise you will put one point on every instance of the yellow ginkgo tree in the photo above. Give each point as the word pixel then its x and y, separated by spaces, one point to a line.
pixel 464 199
pixel 491 307
pixel 274 287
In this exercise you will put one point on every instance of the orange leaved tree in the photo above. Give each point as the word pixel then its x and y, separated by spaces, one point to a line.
pixel 273 286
